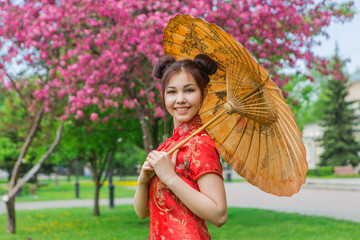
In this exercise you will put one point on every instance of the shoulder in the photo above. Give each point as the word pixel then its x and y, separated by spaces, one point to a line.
pixel 203 143
pixel 203 138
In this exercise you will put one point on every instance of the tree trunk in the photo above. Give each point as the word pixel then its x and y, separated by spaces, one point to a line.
pixel 145 129
pixel 140 113
pixel 96 178
pixel 96 203
pixel 10 207
pixel 37 166
pixel 10 197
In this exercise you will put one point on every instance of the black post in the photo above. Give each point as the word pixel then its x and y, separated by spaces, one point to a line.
pixel 111 186
pixel 77 190
pixel 68 173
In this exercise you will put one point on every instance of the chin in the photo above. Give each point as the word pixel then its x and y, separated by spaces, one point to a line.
pixel 183 119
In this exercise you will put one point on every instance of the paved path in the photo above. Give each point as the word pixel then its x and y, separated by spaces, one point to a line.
pixel 339 199
pixel 339 202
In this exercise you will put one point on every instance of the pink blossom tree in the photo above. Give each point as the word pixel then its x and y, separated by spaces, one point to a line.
pixel 100 53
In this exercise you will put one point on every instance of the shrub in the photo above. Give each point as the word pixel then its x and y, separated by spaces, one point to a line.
pixel 322 171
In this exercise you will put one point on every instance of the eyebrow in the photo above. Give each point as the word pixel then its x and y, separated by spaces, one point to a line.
pixel 187 85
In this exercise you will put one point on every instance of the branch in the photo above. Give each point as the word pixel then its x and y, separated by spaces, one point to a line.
pixel 37 166
pixel 25 147
pixel 14 86
pixel 109 158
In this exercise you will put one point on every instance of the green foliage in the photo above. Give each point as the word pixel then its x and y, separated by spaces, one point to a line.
pixel 128 157
pixel 306 98
pixel 15 122
pixel 122 223
pixel 321 172
pixel 29 189
pixel 8 149
pixel 299 90
pixel 340 146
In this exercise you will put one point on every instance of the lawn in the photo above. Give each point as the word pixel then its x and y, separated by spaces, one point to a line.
pixel 66 191
pixel 122 223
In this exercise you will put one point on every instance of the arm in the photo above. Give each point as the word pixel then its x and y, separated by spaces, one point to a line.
pixel 141 197
pixel 209 204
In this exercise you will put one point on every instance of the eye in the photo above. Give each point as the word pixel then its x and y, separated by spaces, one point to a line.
pixel 190 90
pixel 170 92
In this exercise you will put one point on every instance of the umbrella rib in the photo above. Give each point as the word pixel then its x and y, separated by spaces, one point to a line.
pixel 213 126
pixel 209 109
pixel 288 130
pixel 239 85
pixel 249 94
pixel 212 92
pixel 250 102
pixel 241 137
pixel 257 105
pixel 228 134
pixel 251 138
pixel 285 110
pixel 258 157
pixel 267 155
pixel 282 155
pixel 222 82
pixel 297 157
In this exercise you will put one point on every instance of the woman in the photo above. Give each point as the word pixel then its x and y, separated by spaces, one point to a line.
pixel 182 191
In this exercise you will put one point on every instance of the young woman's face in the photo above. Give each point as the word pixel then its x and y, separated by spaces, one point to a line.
pixel 182 97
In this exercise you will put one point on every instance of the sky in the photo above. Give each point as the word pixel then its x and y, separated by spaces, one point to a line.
pixel 347 36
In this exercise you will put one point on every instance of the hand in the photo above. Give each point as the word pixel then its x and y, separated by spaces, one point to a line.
pixel 146 173
pixel 162 165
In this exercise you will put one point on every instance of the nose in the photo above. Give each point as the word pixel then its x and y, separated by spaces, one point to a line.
pixel 180 98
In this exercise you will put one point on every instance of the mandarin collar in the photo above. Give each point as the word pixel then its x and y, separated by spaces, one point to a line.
pixel 189 126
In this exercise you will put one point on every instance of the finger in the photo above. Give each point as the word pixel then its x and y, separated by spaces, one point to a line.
pixel 153 154
pixel 148 168
pixel 174 156
pixel 150 160
pixel 147 164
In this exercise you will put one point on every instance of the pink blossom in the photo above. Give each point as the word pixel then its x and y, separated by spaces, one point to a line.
pixel 79 114
pixel 98 63
pixel 94 117
pixel 159 113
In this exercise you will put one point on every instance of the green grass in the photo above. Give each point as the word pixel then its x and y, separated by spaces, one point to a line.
pixel 122 223
pixel 66 191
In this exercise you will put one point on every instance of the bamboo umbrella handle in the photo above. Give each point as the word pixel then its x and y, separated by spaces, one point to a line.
pixel 198 130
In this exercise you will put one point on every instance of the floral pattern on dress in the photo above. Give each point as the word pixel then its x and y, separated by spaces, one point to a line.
pixel 170 219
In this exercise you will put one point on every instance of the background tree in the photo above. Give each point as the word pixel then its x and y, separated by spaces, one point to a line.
pixel 100 53
pixel 21 126
pixel 340 146
pixel 97 52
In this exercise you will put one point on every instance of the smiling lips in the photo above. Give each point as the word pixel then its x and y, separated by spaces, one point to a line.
pixel 182 109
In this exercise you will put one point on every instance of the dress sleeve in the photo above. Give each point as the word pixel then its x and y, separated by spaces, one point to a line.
pixel 205 157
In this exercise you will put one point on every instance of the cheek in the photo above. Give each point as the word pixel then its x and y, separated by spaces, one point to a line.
pixel 169 102
pixel 196 100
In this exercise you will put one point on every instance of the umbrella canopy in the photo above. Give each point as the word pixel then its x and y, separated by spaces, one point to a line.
pixel 244 112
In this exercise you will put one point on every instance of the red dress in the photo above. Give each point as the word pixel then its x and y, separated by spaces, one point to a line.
pixel 170 219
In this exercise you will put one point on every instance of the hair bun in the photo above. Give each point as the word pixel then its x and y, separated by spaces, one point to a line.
pixel 161 65
pixel 207 64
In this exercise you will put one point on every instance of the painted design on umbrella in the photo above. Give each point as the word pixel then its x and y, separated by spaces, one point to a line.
pixel 244 112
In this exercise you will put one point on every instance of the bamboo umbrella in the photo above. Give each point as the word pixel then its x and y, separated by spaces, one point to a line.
pixel 244 112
